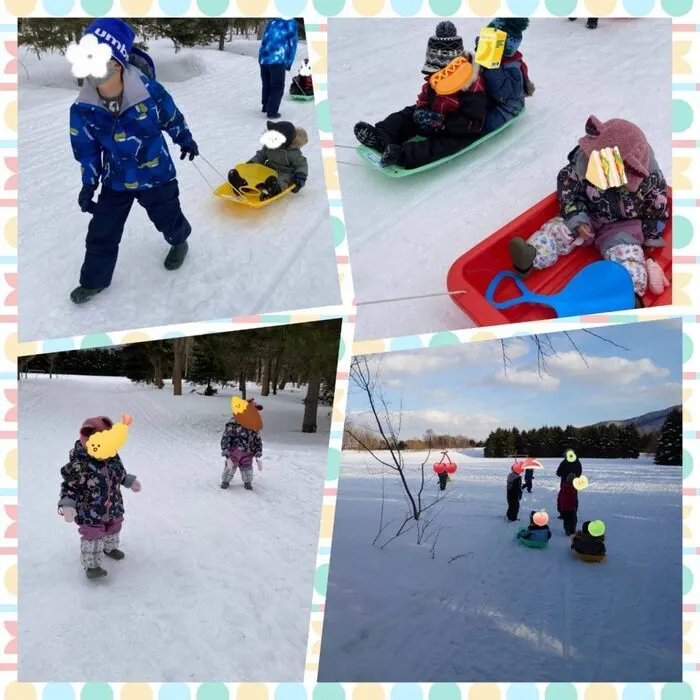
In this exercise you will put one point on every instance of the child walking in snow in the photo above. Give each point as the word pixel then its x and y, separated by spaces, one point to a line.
pixel 534 532
pixel 514 492
pixel 509 84
pixel 619 221
pixel 584 542
pixel 91 497
pixel 240 445
pixel 448 123
pixel 567 504
pixel 116 132
pixel 529 476
pixel 281 151
pixel 303 84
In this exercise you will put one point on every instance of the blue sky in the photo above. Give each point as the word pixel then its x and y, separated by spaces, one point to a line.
pixel 463 388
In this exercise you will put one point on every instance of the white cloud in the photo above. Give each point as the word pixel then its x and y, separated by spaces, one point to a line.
pixel 609 371
pixel 524 377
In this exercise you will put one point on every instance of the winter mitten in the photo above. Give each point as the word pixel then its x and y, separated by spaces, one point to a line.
pixel 68 514
pixel 259 462
pixel 529 88
pixel 299 182
pixel 85 199
pixel 191 150
pixel 136 486
pixel 229 463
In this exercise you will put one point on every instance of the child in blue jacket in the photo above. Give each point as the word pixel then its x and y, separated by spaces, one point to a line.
pixel 116 132
pixel 509 84
pixel 277 52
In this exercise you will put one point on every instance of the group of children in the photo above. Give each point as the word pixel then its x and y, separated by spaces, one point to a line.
pixel 584 541
pixel 92 480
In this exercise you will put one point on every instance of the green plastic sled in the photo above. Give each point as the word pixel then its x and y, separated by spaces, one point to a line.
pixel 530 543
pixel 373 158
pixel 302 98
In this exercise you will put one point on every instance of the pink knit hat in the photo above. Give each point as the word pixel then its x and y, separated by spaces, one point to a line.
pixel 629 138
pixel 93 425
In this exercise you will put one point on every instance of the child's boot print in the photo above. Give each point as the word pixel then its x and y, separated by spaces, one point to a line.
pixel 91 552
pixel 176 256
pixel 111 547
pixel 523 255
pixel 81 294
pixel 367 135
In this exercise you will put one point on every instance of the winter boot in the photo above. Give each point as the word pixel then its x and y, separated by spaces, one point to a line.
pixel 366 134
pixel 248 486
pixel 592 23
pixel 115 554
pixel 236 181
pixel 82 294
pixel 176 256
pixel 270 188
pixel 391 155
pixel 638 302
pixel 224 485
pixel 275 115
pixel 572 19
pixel 523 256
pixel 96 572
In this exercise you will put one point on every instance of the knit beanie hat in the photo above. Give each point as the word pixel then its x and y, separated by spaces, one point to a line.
pixel 278 134
pixel 442 48
pixel 629 139
pixel 514 28
pixel 117 34
pixel 93 425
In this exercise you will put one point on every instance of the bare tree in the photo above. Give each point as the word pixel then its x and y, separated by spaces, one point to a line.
pixel 179 355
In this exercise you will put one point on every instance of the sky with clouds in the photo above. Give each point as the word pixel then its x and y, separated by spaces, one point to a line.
pixel 464 389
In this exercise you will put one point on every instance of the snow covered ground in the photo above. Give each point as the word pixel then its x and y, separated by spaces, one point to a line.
pixel 422 224
pixel 216 584
pixel 488 609
pixel 241 261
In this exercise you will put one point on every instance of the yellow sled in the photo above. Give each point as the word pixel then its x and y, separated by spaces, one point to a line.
pixel 591 558
pixel 254 174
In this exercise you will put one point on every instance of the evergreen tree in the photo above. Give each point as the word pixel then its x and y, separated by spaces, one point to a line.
pixel 670 449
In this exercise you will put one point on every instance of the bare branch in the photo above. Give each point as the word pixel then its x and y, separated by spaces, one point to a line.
pixel 605 340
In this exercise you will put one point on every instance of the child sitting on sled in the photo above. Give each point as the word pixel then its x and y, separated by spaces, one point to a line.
pixel 584 542
pixel 509 84
pixel 303 84
pixel 567 504
pixel 448 123
pixel 281 151
pixel 514 492
pixel 619 220
pixel 241 442
pixel 534 532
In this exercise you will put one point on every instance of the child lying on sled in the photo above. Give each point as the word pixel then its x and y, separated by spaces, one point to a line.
pixel 281 151
pixel 448 123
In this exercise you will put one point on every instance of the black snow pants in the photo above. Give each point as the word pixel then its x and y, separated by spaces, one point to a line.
pixel 570 520
pixel 162 205
pixel 513 505
pixel 399 127
pixel 272 77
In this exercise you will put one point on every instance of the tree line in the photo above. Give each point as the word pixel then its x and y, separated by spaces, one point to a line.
pixel 273 357
pixel 354 435
pixel 44 35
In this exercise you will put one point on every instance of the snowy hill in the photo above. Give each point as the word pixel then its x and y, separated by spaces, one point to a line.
pixel 423 223
pixel 241 261
pixel 472 604
pixel 646 423
pixel 230 569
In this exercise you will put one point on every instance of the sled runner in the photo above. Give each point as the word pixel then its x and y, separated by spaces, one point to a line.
pixel 374 158
pixel 530 543
pixel 591 558
pixel 475 271
pixel 249 196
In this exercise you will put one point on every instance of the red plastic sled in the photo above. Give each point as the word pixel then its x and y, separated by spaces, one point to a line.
pixel 472 272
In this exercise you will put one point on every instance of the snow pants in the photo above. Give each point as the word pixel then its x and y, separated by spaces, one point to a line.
pixel 554 240
pixel 527 485
pixel 513 505
pixel 570 519
pixel 162 205
pixel 272 77
pixel 95 540
pixel 238 460
pixel 399 127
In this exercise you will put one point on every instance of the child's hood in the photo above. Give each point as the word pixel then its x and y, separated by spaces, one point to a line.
pixel 135 90
pixel 283 135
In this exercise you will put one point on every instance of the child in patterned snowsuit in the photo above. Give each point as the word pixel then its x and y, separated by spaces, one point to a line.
pixel 116 132
pixel 448 123
pixel 620 221
pixel 91 497
pixel 239 446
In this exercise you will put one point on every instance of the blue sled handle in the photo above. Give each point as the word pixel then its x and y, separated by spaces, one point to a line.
pixel 525 297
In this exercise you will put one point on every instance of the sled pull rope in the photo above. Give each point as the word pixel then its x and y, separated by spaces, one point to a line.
pixel 417 296
pixel 204 177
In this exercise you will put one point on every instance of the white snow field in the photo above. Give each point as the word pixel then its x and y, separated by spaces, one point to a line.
pixel 423 223
pixel 215 584
pixel 499 611
pixel 241 262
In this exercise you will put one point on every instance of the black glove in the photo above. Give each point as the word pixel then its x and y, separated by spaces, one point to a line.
pixel 85 199
pixel 190 150
pixel 299 182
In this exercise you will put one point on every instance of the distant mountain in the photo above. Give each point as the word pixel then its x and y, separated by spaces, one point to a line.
pixel 647 423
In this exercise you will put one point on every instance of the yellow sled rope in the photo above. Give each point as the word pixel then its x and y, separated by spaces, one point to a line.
pixel 254 174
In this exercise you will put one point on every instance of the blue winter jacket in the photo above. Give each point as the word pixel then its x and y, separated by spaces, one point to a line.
pixel 129 152
pixel 279 42
pixel 505 88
